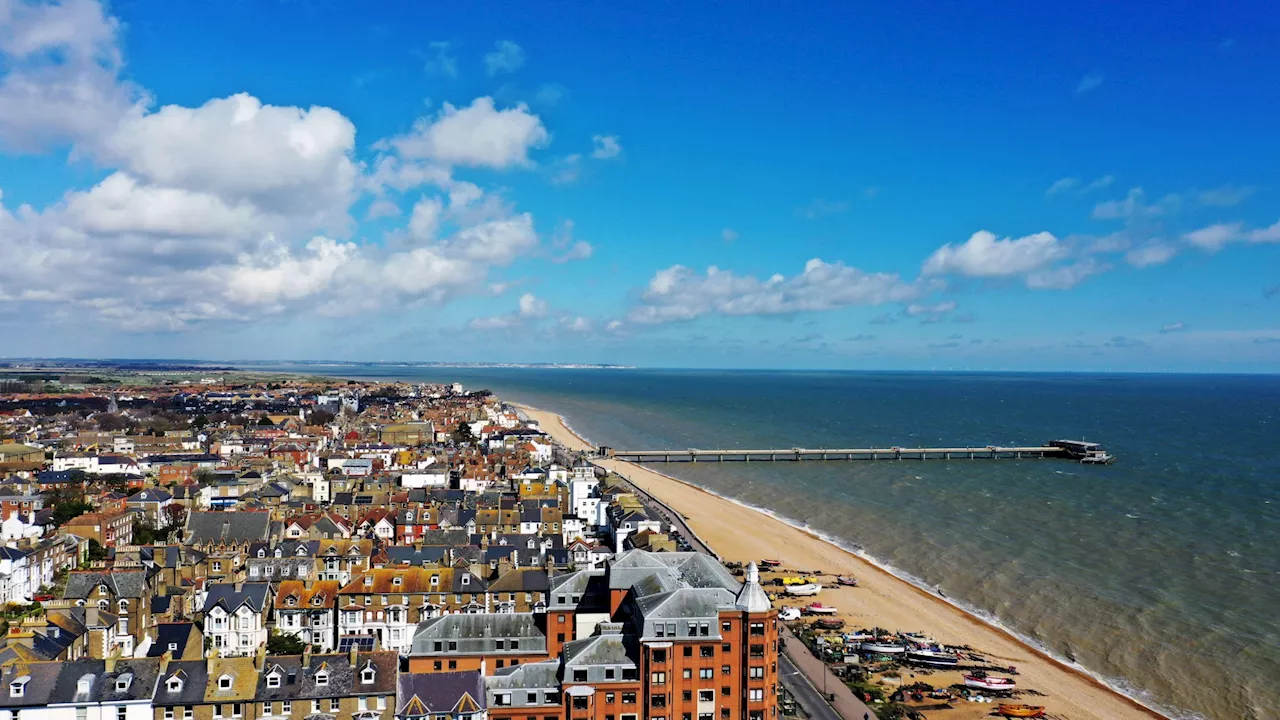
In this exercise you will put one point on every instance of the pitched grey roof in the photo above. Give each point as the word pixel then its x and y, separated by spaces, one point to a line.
pixel 194 676
pixel 609 648
pixel 298 680
pixel 439 692
pixel 120 584
pixel 528 685
pixel 479 634
pixel 41 677
pixel 226 595
pixel 213 527
pixel 175 634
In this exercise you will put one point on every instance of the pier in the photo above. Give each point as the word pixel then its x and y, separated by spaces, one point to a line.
pixel 990 452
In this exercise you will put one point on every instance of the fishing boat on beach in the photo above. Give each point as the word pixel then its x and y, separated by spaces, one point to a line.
pixel 820 609
pixel 770 563
pixel 932 657
pixel 882 647
pixel 847 581
pixel 829 623
pixel 986 682
pixel 1020 711
pixel 804 590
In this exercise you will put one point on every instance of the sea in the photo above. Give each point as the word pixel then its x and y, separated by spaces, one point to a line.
pixel 1159 574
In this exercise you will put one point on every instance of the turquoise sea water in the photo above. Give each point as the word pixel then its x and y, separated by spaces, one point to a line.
pixel 1159 574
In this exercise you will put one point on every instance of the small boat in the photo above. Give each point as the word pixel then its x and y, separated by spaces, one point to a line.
pixel 789 613
pixel 829 623
pixel 882 647
pixel 820 609
pixel 1021 711
pixel 771 563
pixel 859 636
pixel 846 580
pixel 799 580
pixel 932 657
pixel 804 590
pixel 986 682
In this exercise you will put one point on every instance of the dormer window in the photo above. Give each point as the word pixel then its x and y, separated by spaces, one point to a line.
pixel 322 679
pixel 102 589
pixel 397 580
pixel 173 684
pixel 273 680
pixel 224 682
pixel 18 688
pixel 291 601
pixel 466 579
pixel 123 682
pixel 173 647
pixel 366 676
pixel 435 579
pixel 368 580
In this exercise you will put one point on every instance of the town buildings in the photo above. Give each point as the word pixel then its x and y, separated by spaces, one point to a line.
pixel 374 564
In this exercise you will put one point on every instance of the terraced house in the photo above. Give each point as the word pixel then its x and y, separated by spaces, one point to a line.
pixel 389 603
pixel 309 613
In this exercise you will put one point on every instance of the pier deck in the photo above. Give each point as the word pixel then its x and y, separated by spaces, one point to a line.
pixel 798 454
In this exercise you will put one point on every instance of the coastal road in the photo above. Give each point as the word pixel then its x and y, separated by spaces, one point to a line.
pixel 798 669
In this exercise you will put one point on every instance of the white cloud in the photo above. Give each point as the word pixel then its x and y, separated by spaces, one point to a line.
pixel 578 324
pixel 284 159
pixel 382 208
pixel 1213 237
pixel 441 59
pixel 1174 327
pixel 507 57
pixel 1063 185
pixel 424 221
pixel 1266 235
pixel 529 309
pixel 917 309
pixel 1225 196
pixel 984 255
pixel 606 147
pixel 1153 253
pixel 566 247
pixel 728 235
pixel 678 293
pixel 567 169
pixel 1065 276
pixel 478 135
pixel 532 306
pixel 1119 209
pixel 1089 83
pixel 60 66
pixel 120 205
pixel 1074 183
pixel 821 207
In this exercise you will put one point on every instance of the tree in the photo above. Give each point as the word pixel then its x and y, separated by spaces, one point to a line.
pixel 462 434
pixel 280 644
pixel 200 422
pixel 65 510
pixel 320 417
pixel 265 422
pixel 175 516
pixel 96 551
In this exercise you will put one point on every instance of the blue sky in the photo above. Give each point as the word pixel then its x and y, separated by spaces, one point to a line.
pixel 961 185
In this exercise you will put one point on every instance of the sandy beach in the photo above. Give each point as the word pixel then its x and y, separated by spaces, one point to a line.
pixel 741 534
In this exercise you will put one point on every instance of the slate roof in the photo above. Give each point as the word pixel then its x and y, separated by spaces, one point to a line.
pixel 477 633
pixel 448 692
pixel 609 648
pixel 298 680
pixel 522 580
pixel 406 555
pixel 213 527
pixel 226 595
pixel 41 679
pixel 175 634
pixel 193 676
pixel 150 495
pixel 82 584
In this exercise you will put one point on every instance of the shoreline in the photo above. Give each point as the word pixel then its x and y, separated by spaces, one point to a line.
pixel 1093 697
